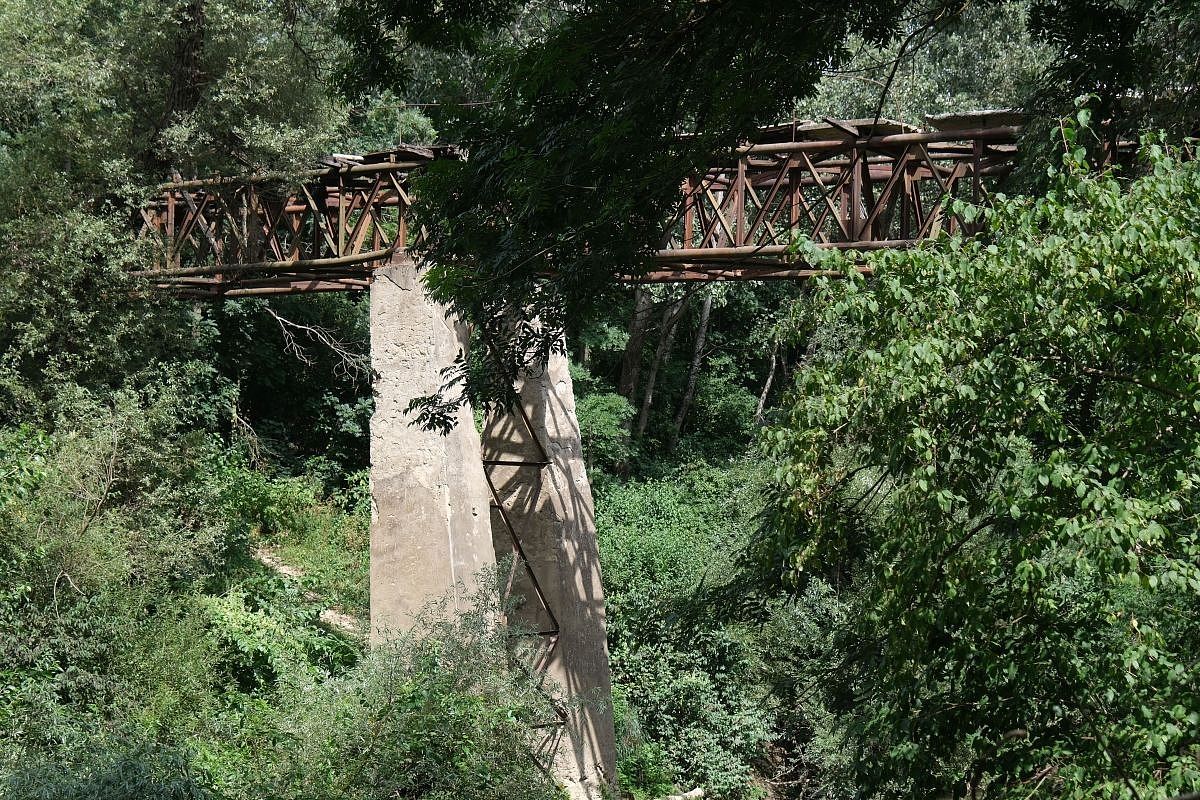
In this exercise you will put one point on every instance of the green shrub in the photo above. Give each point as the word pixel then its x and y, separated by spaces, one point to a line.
pixel 691 678
pixel 642 769
pixel 996 468
pixel 325 539
pixel 129 602
pixel 604 422
pixel 145 653
pixel 721 421
pixel 604 427
pixel 138 773
pixel 104 525
pixel 437 714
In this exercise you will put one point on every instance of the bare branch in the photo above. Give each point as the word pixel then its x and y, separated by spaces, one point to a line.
pixel 350 364
pixel 242 429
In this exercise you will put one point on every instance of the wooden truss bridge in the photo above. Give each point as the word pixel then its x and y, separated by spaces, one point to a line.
pixel 854 184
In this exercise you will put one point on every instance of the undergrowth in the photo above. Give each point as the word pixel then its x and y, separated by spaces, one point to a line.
pixel 149 649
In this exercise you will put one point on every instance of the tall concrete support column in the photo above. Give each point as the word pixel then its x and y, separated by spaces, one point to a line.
pixel 430 523
pixel 545 519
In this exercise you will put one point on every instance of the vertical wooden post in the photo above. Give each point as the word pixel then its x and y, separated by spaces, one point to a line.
pixel 794 188
pixel 843 206
pixel 401 243
pixel 377 220
pixel 918 207
pixel 689 211
pixel 854 213
pixel 869 202
pixel 172 250
pixel 220 218
pixel 739 200
pixel 247 250
pixel 320 217
pixel 341 220
pixel 976 165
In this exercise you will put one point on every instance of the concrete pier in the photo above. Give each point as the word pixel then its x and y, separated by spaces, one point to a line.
pixel 435 528
pixel 535 462
pixel 430 522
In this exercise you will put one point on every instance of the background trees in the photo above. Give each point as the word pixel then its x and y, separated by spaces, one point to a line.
pixel 580 135
pixel 183 516
pixel 987 55
pixel 579 125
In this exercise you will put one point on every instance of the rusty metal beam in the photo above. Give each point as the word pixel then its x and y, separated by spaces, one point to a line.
pixel 329 228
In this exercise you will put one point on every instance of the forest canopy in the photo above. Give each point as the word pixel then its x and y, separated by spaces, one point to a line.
pixel 579 126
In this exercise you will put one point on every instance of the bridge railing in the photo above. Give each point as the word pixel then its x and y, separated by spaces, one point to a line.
pixel 742 219
pixel 324 230
pixel 327 230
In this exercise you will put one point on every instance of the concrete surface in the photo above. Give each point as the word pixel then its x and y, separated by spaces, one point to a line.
pixel 551 510
pixel 430 519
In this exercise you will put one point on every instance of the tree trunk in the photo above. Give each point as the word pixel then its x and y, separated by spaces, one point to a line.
pixel 666 337
pixel 762 398
pixel 185 79
pixel 631 361
pixel 785 368
pixel 694 369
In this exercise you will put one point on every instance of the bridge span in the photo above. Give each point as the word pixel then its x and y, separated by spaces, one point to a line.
pixel 514 494
pixel 854 184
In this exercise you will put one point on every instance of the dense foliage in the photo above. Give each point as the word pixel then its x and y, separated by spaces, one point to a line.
pixel 580 126
pixel 691 678
pixel 986 57
pixel 576 143
pixel 146 652
pixel 992 459
pixel 183 515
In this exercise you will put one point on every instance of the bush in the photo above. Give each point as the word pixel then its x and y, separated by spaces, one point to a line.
pixel 604 427
pixel 144 653
pixel 722 417
pixel 997 470
pixel 437 714
pixel 691 679
pixel 642 769
pixel 141 772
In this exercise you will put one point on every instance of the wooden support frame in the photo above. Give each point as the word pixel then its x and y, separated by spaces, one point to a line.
pixel 327 230
pixel 318 231
pixel 854 192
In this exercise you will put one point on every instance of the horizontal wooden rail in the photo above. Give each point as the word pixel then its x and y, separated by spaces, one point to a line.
pixel 328 229
pixel 1006 133
pixel 271 266
pixel 286 177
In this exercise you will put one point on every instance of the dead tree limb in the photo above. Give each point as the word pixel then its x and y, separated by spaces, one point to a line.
pixel 693 368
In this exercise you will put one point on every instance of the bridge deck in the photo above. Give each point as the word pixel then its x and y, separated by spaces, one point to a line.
pixel 854 184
